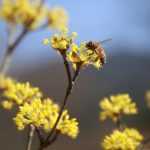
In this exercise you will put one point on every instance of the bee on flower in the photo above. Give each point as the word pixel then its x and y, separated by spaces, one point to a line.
pixel 128 139
pixel 88 53
pixel 116 106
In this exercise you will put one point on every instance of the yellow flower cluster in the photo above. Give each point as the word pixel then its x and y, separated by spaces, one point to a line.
pixel 43 114
pixel 18 93
pixel 62 41
pixel 116 106
pixel 57 18
pixel 30 14
pixel 23 12
pixel 33 109
pixel 128 139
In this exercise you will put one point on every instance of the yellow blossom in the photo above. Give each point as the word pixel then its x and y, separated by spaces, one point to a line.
pixel 57 18
pixel 46 41
pixel 8 11
pixel 88 53
pixel 43 114
pixel 24 12
pixel 7 104
pixel 19 93
pixel 62 41
pixel 128 139
pixel 6 83
pixel 116 106
pixel 30 14
pixel 68 126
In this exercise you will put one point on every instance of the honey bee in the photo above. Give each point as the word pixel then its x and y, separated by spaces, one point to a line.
pixel 97 48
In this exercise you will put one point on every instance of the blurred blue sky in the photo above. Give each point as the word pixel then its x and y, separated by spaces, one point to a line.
pixel 126 22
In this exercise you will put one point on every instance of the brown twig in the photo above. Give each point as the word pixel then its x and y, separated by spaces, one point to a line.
pixel 70 86
pixel 40 136
pixel 9 51
pixel 51 141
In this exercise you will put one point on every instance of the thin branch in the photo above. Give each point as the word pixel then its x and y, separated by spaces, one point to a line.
pixel 53 139
pixel 11 48
pixel 66 96
pixel 30 137
pixel 9 51
pixel 40 136
pixel 71 82
pixel 144 143
pixel 119 122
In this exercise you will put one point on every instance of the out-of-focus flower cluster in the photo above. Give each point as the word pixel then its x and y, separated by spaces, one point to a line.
pixel 84 54
pixel 57 18
pixel 34 109
pixel 116 106
pixel 31 14
pixel 122 138
pixel 128 139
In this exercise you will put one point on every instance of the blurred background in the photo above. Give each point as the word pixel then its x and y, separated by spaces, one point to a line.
pixel 127 69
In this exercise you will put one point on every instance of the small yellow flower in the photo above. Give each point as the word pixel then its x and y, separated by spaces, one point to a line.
pixel 116 106
pixel 88 53
pixel 61 42
pixel 43 114
pixel 57 18
pixel 128 139
pixel 68 126
pixel 6 83
pixel 46 41
pixel 7 104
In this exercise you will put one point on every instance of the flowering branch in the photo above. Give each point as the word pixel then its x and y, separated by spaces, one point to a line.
pixel 11 48
pixel 70 86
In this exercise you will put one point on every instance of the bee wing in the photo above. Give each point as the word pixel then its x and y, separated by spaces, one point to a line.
pixel 105 41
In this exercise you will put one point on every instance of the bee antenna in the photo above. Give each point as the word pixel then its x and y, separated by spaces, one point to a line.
pixel 105 41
